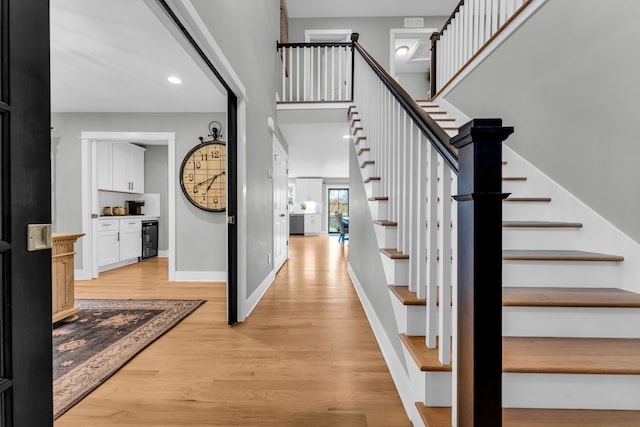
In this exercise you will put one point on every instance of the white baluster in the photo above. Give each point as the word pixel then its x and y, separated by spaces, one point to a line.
pixel 429 226
pixel 340 85
pixel 503 12
pixel 444 265
pixel 495 16
pixel 481 21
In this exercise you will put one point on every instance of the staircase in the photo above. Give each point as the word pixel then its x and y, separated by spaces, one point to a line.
pixel 571 341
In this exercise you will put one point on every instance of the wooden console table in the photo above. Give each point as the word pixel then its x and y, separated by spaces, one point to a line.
pixel 62 280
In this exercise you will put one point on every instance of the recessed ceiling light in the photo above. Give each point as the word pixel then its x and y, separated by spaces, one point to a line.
pixel 402 50
pixel 175 80
pixel 346 136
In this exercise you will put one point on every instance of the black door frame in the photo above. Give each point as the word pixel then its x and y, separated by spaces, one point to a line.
pixel 232 170
pixel 26 386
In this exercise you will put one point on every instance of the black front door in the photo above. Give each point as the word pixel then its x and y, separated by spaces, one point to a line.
pixel 25 198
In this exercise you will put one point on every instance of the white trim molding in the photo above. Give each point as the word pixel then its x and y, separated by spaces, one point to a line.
pixel 255 297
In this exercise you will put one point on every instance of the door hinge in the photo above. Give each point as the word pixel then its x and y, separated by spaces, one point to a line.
pixel 231 219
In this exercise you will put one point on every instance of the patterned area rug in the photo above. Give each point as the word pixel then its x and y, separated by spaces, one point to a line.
pixel 106 335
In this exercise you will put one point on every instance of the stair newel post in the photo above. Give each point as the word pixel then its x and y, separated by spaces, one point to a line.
pixel 479 311
pixel 432 74
pixel 354 40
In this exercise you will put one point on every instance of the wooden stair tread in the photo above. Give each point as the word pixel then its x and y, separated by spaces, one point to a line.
pixel 525 417
pixel 355 130
pixel 405 296
pixel 363 149
pixel 385 223
pixel 371 178
pixel 444 119
pixel 540 224
pixel 367 163
pixel 425 358
pixel 435 112
pixel 606 356
pixel 378 199
pixel 527 199
pixel 535 355
pixel 556 255
pixel 360 138
pixel 394 253
pixel 451 128
pixel 569 297
pixel 514 178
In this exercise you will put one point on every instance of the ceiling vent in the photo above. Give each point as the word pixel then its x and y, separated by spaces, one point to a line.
pixel 413 22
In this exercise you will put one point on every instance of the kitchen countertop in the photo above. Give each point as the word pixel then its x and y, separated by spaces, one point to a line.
pixel 141 217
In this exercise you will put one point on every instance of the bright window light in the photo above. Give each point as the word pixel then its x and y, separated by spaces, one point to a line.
pixel 175 80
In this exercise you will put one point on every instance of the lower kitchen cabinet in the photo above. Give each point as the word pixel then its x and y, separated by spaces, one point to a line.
pixel 118 240
pixel 312 224
pixel 130 239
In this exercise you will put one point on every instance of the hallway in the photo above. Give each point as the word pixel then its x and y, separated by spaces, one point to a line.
pixel 305 357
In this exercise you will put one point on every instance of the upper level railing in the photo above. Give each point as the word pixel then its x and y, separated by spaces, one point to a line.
pixel 316 72
pixel 471 27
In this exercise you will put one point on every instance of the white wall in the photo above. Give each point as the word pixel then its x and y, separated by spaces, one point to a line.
pixel 200 235
pixel 568 81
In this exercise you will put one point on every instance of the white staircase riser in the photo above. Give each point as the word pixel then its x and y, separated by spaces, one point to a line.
pixel 368 170
pixel 395 270
pixel 584 274
pixel 386 236
pixel 530 211
pixel 577 322
pixel 364 156
pixel 571 391
pixel 430 388
pixel 540 238
pixel 411 319
pixel 379 209
pixel 372 188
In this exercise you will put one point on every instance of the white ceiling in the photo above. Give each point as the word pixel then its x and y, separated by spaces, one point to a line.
pixel 116 55
pixel 316 145
pixel 368 8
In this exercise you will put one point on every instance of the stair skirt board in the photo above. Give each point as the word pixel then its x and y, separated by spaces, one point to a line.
pixel 584 274
pixel 579 322
pixel 393 360
pixel 372 188
pixel 570 391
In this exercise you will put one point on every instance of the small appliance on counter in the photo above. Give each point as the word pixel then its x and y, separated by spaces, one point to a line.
pixel 134 207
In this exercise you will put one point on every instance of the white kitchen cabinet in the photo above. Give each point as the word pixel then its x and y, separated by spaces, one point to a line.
pixel 118 240
pixel 312 224
pixel 104 165
pixel 130 239
pixel 120 167
pixel 308 189
pixel 107 241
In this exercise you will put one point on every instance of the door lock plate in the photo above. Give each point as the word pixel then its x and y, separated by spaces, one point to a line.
pixel 38 237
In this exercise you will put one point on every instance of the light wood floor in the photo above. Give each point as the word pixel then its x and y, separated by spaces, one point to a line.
pixel 305 357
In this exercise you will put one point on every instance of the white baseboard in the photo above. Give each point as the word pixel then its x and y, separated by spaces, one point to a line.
pixel 163 254
pixel 253 300
pixel 201 276
pixel 394 363
pixel 82 275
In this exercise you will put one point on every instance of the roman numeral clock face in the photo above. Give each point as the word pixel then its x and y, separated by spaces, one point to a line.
pixel 203 176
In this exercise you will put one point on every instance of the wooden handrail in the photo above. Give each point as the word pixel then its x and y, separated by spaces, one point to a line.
pixel 315 44
pixel 453 14
pixel 423 121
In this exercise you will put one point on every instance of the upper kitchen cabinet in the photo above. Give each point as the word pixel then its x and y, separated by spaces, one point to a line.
pixel 308 189
pixel 120 167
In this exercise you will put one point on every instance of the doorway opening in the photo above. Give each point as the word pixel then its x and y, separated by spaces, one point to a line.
pixel 338 203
